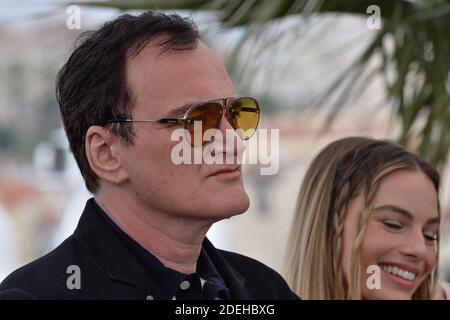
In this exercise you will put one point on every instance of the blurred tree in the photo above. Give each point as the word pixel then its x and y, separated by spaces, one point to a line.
pixel 415 63
pixel 6 139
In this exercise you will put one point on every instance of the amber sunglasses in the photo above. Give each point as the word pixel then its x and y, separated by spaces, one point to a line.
pixel 242 113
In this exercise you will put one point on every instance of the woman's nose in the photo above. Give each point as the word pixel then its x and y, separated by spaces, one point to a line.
pixel 415 246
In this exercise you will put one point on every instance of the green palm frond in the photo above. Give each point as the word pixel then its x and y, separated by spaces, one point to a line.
pixel 418 58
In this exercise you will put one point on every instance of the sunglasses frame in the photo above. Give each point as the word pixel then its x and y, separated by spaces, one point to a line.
pixel 224 102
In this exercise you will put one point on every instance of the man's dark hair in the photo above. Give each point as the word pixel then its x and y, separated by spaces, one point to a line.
pixel 91 87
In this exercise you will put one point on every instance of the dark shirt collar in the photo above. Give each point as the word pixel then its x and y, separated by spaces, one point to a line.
pixel 169 280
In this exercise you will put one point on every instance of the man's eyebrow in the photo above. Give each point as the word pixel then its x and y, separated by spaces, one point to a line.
pixel 405 213
pixel 178 112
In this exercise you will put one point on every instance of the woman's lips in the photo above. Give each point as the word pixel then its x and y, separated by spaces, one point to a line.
pixel 403 284
pixel 400 274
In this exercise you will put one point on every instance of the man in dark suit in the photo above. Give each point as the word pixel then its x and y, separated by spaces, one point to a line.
pixel 122 93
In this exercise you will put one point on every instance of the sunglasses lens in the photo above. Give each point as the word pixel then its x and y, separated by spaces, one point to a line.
pixel 244 116
pixel 209 114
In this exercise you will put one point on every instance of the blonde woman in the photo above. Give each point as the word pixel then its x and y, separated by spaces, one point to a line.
pixel 366 224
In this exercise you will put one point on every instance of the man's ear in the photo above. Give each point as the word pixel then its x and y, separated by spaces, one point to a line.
pixel 103 150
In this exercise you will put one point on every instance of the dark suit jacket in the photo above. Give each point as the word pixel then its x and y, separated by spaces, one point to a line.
pixel 109 270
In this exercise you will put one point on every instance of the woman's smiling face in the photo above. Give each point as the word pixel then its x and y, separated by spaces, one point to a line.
pixel 400 236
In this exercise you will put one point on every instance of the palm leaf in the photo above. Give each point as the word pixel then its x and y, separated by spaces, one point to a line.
pixel 420 89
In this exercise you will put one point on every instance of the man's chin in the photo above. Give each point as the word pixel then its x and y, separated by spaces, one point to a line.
pixel 231 206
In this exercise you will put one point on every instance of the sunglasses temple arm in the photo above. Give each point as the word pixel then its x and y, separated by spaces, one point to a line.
pixel 172 121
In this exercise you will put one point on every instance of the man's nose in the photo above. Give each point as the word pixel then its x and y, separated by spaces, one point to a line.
pixel 232 143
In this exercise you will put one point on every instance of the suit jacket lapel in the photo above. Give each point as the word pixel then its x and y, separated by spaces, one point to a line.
pixel 234 281
pixel 121 265
pixel 105 245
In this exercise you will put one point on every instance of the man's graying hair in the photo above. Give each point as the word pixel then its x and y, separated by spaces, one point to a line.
pixel 92 87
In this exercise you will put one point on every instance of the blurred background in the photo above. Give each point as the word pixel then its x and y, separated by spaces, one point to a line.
pixel 322 70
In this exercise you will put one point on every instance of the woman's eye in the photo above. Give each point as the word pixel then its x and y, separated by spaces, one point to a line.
pixel 393 225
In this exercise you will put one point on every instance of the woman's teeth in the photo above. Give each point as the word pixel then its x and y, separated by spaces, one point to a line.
pixel 399 272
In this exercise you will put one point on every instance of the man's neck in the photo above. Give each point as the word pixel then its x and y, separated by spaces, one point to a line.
pixel 175 241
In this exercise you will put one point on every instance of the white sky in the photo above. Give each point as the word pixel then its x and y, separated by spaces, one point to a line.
pixel 23 14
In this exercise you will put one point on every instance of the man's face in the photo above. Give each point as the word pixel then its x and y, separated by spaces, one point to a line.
pixel 160 84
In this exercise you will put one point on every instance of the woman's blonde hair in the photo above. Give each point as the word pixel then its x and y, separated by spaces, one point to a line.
pixel 343 170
